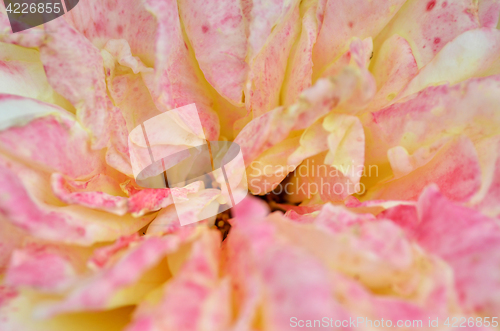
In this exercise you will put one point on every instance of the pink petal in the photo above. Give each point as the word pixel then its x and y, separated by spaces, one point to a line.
pixel 429 25
pixel 28 204
pixel 55 142
pixel 314 102
pixel 268 66
pixel 258 262
pixel 432 114
pixel 80 80
pixel 195 298
pixel 11 238
pixel 216 30
pixel 393 67
pixel 454 168
pixel 28 38
pixel 300 66
pixel 359 19
pixel 472 54
pixel 468 241
pixel 100 21
pixel 22 73
pixel 489 11
pixel 41 270
pixel 176 82
pixel 97 292
pixel 88 193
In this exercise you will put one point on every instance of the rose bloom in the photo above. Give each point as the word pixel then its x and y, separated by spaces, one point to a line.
pixel 370 129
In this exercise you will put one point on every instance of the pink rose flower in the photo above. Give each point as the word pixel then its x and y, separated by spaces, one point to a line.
pixel 370 129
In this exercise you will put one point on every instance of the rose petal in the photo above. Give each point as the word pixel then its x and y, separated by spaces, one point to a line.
pixel 176 81
pixel 204 298
pixel 360 19
pixel 80 80
pixel 454 168
pixel 300 65
pixel 429 25
pixel 268 66
pixel 22 73
pixel 468 241
pixel 102 290
pixel 393 67
pixel 472 54
pixel 216 30
pixel 28 204
pixel 101 21
pixel 55 142
pixel 489 11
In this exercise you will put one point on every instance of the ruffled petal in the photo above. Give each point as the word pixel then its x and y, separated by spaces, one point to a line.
pixel 347 89
pixel 419 122
pixel 30 206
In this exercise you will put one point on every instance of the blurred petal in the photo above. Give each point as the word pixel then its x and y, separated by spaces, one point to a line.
pixel 102 290
pixel 435 113
pixel 267 290
pixel 489 11
pixel 468 241
pixel 39 269
pixel 195 299
pixel 29 205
